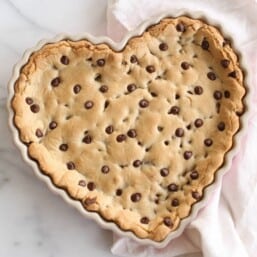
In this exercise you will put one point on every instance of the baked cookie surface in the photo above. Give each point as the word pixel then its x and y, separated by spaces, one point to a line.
pixel 135 135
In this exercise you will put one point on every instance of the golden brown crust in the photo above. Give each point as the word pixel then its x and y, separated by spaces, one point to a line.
pixel 97 169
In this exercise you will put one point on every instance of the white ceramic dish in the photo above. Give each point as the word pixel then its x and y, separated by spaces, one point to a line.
pixel 118 46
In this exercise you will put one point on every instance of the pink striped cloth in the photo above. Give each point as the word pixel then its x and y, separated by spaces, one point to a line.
pixel 227 226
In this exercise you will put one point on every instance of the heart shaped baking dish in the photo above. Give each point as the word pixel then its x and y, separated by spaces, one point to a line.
pixel 136 135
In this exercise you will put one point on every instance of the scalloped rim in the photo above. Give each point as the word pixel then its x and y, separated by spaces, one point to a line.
pixel 117 46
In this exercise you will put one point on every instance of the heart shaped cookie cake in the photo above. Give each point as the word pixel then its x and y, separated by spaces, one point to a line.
pixel 135 135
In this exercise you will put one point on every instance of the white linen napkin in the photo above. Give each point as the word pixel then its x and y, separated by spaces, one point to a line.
pixel 227 226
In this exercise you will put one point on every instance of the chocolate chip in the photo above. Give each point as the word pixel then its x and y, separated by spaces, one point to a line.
pixel 198 123
pixel 53 125
pixel 65 60
pixel 232 74
pixel 211 75
pixel 91 186
pixel 137 163
pixel 100 62
pixel 175 202
pixel 119 192
pixel 143 103
pixel 185 65
pixel 196 195
pixel 150 68
pixel 55 82
pixel 132 133
pixel 29 100
pixel 87 139
pixel 153 94
pixel 109 129
pixel 103 89
pixel 164 172
pixel 221 126
pixel 174 110
pixel 89 104
pixel 188 126
pixel 180 27
pixel 148 149
pixel 82 183
pixel 89 201
pixel 135 197
pixel 144 220
pixel 177 96
pixel 133 59
pixel 98 77
pixel 194 174
pixel 120 138
pixel 105 169
pixel 205 44
pixel 208 142
pixel 163 47
pixel 106 104
pixel 187 155
pixel 218 107
pixel 226 42
pixel 71 166
pixel 168 222
pixel 198 90
pixel 172 187
pixel 76 88
pixel 131 87
pixel 227 94
pixel 217 95
pixel 39 133
pixel 63 147
pixel 179 132
pixel 224 63
pixel 35 108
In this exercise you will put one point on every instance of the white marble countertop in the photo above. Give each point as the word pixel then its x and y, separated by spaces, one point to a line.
pixel 34 221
